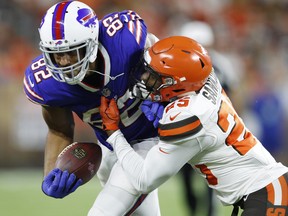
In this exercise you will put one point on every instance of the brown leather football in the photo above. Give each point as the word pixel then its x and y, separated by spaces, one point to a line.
pixel 81 158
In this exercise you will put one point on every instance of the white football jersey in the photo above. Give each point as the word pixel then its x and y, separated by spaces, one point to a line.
pixel 231 159
pixel 204 130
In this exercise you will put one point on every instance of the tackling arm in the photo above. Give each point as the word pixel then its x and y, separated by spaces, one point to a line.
pixel 60 124
pixel 162 161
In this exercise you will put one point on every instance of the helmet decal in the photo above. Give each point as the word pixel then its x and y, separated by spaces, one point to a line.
pixel 87 17
pixel 59 42
pixel 58 20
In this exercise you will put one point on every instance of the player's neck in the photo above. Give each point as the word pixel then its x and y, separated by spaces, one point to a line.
pixel 99 63
pixel 92 78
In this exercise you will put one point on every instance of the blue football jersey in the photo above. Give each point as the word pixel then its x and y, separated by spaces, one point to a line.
pixel 122 37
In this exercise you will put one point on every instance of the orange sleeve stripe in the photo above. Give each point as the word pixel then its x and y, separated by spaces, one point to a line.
pixel 270 191
pixel 284 187
pixel 185 127
pixel 180 130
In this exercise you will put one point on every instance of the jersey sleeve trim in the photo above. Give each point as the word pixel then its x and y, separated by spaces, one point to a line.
pixel 186 127
pixel 136 26
pixel 29 90
pixel 136 30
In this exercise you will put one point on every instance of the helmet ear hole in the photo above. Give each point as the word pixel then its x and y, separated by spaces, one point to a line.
pixel 202 63
pixel 178 90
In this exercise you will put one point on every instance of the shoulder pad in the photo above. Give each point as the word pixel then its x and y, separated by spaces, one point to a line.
pixel 128 20
pixel 180 119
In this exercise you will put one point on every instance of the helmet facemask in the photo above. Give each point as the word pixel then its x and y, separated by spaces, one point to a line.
pixel 73 73
pixel 149 83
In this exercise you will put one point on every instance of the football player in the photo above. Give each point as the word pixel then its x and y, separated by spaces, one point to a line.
pixel 82 59
pixel 199 126
pixel 229 79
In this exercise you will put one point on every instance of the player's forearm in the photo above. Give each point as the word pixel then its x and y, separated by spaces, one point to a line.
pixel 55 143
pixel 143 174
pixel 161 162
pixel 131 162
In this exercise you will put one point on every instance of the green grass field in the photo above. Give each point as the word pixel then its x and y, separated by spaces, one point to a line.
pixel 21 195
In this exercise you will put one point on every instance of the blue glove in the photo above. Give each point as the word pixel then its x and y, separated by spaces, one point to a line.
pixel 59 184
pixel 153 111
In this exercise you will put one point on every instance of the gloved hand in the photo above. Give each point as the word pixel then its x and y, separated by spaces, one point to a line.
pixel 110 114
pixel 59 184
pixel 153 111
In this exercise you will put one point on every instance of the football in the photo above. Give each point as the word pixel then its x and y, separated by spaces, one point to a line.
pixel 81 158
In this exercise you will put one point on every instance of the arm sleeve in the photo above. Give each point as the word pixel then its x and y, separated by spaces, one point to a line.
pixel 162 161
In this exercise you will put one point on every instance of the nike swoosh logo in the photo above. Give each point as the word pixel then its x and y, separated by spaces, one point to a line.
pixel 173 117
pixel 30 82
pixel 161 150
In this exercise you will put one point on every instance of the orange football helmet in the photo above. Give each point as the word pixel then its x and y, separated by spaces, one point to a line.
pixel 174 66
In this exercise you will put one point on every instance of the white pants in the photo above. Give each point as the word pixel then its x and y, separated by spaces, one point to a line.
pixel 118 197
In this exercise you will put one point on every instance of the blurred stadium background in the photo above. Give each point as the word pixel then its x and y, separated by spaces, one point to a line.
pixel 251 34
